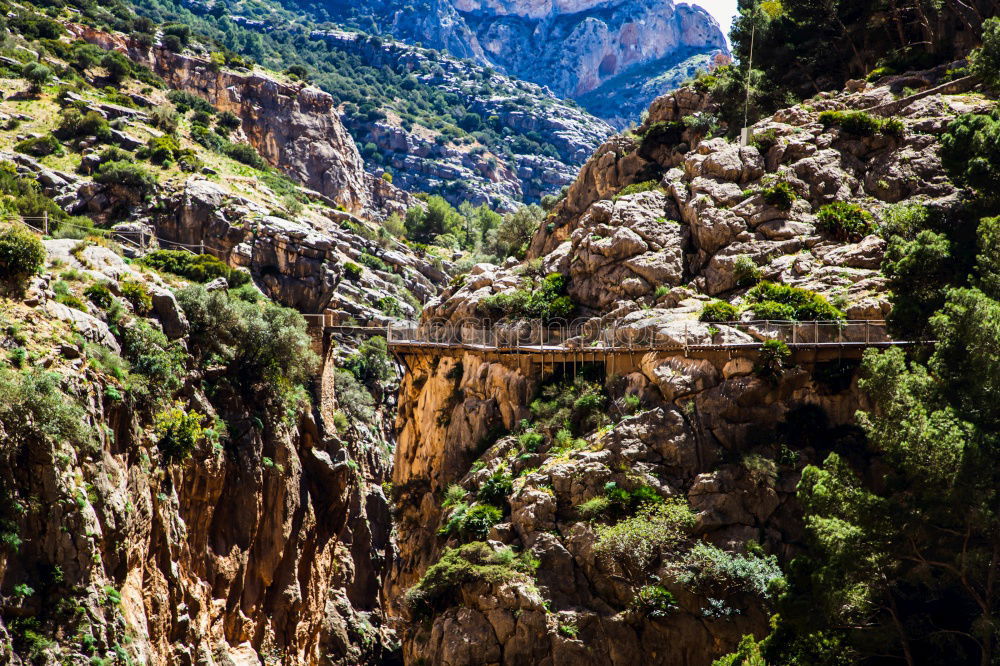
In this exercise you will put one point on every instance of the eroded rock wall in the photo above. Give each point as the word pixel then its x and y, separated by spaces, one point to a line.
pixel 294 127
pixel 723 433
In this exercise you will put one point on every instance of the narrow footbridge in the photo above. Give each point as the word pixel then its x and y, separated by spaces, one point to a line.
pixel 591 340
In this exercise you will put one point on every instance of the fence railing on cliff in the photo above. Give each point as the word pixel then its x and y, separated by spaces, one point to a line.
pixel 137 239
pixel 678 335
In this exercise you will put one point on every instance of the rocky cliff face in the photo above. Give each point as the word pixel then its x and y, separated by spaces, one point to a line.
pixel 720 434
pixel 264 543
pixel 468 171
pixel 574 48
pixel 294 127
pixel 270 542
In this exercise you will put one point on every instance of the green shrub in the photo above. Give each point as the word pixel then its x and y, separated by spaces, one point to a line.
pixel 185 101
pixel 711 571
pixel 984 62
pixel 844 221
pixel 132 177
pixel 40 146
pixel 178 432
pixel 99 294
pixel 138 295
pixel 36 74
pixel 654 601
pixel 73 123
pixel 636 188
pixel 781 195
pixel 353 397
pixel 764 141
pixel 77 227
pixel 470 521
pixel 22 254
pixel 371 363
pixel 64 296
pixel 496 488
pixel 970 151
pixel 771 311
pixel 905 220
pixel 634 545
pixel 531 441
pixel 662 133
pixel 158 363
pixel 229 120
pixel 162 149
pixel 623 501
pixel 118 65
pixel 18 356
pixel 879 72
pixel 35 408
pixel 778 301
pixel 373 262
pixel 479 519
pixel 595 507
pixel 772 360
pixel 195 267
pixel 577 406
pixel 718 312
pixel 747 272
pixel 352 271
pixel 389 306
pixel 471 563
pixel 543 299
pixel 861 123
pixel 245 153
pixel 265 347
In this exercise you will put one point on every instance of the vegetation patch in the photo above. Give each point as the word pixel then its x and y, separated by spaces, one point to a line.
pixel 845 221
pixel 472 563
pixel 21 253
pixel 636 188
pixel 195 267
pixel 771 301
pixel 543 299
pixel 772 360
pixel 781 195
pixel 862 124
pixel 718 312
pixel 178 432
pixel 636 544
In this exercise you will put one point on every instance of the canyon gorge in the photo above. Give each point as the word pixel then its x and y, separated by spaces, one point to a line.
pixel 268 399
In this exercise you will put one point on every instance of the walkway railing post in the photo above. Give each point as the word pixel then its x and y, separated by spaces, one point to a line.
pixel 867 329
pixel 45 222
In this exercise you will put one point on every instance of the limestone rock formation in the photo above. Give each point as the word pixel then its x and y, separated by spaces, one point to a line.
pixel 699 221
pixel 294 127
pixel 574 48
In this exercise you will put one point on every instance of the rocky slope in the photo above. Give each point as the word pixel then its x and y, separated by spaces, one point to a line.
pixel 265 538
pixel 294 127
pixel 722 436
pixel 573 48
pixel 244 550
pixel 501 176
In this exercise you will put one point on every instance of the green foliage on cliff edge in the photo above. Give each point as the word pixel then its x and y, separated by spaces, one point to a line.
pixel 474 562
pixel 264 347
pixel 902 565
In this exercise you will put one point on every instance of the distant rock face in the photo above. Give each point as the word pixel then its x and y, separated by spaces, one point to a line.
pixel 572 46
pixel 459 172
